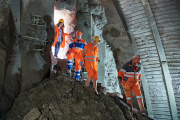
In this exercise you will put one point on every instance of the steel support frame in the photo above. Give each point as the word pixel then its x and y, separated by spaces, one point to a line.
pixel 163 61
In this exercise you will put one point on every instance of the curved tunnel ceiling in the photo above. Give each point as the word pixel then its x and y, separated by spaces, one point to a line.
pixel 154 28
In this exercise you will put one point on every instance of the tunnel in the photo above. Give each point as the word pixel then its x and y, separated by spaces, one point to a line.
pixel 149 28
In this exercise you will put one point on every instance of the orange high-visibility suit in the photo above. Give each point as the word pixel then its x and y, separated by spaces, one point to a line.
pixel 74 51
pixel 56 35
pixel 90 56
pixel 130 80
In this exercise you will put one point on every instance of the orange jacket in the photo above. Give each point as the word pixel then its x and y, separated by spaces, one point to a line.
pixel 130 73
pixel 90 54
pixel 76 46
pixel 56 35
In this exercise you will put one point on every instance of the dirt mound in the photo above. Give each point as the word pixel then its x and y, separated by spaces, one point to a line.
pixel 62 98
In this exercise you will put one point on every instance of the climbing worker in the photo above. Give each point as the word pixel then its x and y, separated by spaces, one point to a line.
pixel 74 51
pixel 129 75
pixel 59 36
pixel 89 58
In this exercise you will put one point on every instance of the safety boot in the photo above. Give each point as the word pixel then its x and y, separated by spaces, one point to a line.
pixel 95 91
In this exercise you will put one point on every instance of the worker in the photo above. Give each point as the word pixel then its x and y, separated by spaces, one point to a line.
pixel 89 58
pixel 59 36
pixel 129 76
pixel 74 51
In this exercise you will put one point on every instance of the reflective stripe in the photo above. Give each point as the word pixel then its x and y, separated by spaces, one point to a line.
pixel 90 57
pixel 133 72
pixel 79 42
pixel 122 70
pixel 77 70
pixel 128 98
pixel 129 72
pixel 69 63
pixel 77 48
pixel 90 60
pixel 85 50
pixel 131 76
pixel 139 96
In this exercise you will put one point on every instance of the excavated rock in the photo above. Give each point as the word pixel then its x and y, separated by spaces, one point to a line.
pixel 61 98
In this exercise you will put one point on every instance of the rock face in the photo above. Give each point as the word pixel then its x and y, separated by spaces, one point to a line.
pixel 4 45
pixel 61 98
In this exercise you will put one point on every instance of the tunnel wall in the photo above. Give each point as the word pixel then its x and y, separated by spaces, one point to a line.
pixel 153 26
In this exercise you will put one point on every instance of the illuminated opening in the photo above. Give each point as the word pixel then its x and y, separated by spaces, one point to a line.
pixel 69 23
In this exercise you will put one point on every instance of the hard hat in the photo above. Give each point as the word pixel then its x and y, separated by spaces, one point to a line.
pixel 61 20
pixel 97 39
pixel 78 32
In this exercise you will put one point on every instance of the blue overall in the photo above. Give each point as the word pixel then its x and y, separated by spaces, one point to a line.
pixel 58 44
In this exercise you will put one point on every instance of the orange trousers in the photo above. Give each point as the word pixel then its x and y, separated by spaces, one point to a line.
pixel 91 68
pixel 70 56
pixel 130 86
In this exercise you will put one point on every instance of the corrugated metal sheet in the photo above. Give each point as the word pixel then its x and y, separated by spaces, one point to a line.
pixel 141 32
pixel 167 20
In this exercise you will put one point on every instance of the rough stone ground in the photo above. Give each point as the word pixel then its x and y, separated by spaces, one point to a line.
pixel 61 98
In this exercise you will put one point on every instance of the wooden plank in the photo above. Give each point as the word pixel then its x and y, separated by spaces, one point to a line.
pixel 153 73
pixel 147 49
pixel 162 102
pixel 173 28
pixel 156 117
pixel 162 112
pixel 172 41
pixel 177 46
pixel 152 52
pixel 174 56
pixel 154 76
pixel 167 16
pixel 134 14
pixel 174 60
pixel 129 2
pixel 174 68
pixel 163 3
pixel 145 42
pixel 145 32
pixel 169 24
pixel 132 8
pixel 144 46
pixel 141 16
pixel 168 34
pixel 138 20
pixel 172 53
pixel 158 98
pixel 153 63
pixel 160 9
pixel 151 80
pixel 152 69
pixel 160 105
pixel 140 27
pixel 174 64
pixel 164 12
pixel 161 93
pixel 171 49
pixel 147 56
pixel 174 72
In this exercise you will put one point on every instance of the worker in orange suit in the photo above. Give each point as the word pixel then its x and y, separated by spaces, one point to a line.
pixel 74 51
pixel 89 58
pixel 129 76
pixel 59 36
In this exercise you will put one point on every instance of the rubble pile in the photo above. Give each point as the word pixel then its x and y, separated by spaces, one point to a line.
pixel 61 98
